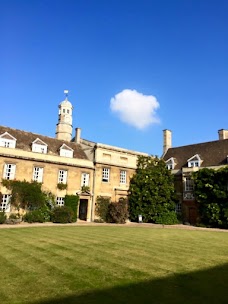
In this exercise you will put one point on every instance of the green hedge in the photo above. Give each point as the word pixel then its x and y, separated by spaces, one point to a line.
pixel 71 201
pixel 39 215
pixel 2 217
pixel 62 215
pixel 166 218
pixel 102 208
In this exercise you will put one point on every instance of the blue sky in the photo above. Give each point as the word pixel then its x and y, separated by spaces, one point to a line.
pixel 163 63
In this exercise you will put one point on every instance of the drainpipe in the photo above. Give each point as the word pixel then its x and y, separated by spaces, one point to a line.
pixel 94 183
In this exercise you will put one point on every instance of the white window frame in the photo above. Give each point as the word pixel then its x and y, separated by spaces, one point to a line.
pixel 62 177
pixel 123 176
pixel 188 183
pixel 39 146
pixel 66 151
pixel 170 163
pixel 169 166
pixel 105 175
pixel 5 203
pixel 85 179
pixel 60 201
pixel 194 161
pixel 7 142
pixel 9 171
pixel 38 174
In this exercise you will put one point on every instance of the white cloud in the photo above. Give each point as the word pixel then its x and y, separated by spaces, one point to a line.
pixel 135 109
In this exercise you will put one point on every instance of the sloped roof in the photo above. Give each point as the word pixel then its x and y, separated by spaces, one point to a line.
pixel 6 135
pixel 213 153
pixel 25 139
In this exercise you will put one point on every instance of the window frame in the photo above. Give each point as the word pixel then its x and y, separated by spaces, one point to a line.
pixel 105 175
pixel 188 184
pixel 5 203
pixel 170 163
pixel 38 176
pixel 7 142
pixel 62 176
pixel 66 151
pixel 9 172
pixel 60 201
pixel 178 207
pixel 123 177
pixel 85 179
pixel 38 146
pixel 194 162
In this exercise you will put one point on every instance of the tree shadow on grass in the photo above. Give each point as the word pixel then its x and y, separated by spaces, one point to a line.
pixel 208 286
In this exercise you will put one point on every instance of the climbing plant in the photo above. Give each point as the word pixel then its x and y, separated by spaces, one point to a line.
pixel 152 193
pixel 211 193
pixel 27 195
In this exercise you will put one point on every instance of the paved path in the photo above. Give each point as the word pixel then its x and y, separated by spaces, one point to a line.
pixel 130 224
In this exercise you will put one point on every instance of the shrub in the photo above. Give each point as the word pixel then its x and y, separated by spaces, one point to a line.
pixel 62 214
pixel 71 201
pixel 85 189
pixel 166 218
pixel 14 216
pixel 61 186
pixel 98 221
pixel 118 212
pixel 2 217
pixel 39 215
pixel 102 208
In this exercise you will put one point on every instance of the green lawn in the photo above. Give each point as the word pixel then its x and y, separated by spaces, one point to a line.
pixel 111 264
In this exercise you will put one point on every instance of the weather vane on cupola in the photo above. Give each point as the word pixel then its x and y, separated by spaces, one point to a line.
pixel 66 93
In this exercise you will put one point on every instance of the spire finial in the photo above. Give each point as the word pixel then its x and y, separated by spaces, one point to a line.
pixel 66 93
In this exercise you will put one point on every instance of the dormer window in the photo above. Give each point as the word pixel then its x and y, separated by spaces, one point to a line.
pixel 39 146
pixel 7 140
pixel 171 163
pixel 194 161
pixel 66 151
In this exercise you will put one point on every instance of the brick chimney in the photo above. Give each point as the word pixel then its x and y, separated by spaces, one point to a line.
pixel 167 140
pixel 77 138
pixel 223 134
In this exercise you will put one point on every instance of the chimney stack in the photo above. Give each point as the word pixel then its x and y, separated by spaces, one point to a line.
pixel 77 138
pixel 223 134
pixel 167 140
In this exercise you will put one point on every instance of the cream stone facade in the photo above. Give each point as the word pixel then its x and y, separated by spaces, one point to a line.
pixel 114 167
pixel 103 170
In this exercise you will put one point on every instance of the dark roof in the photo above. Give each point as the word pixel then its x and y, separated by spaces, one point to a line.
pixel 213 153
pixel 25 139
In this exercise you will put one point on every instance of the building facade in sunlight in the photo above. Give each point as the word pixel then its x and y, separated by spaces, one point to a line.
pixel 184 160
pixel 86 168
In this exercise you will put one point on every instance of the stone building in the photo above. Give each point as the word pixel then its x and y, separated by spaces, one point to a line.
pixel 86 168
pixel 186 159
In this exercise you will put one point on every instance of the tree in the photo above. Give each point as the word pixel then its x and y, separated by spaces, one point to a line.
pixel 211 193
pixel 152 193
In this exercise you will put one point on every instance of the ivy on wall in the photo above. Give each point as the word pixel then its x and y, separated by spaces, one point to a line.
pixel 27 195
pixel 211 193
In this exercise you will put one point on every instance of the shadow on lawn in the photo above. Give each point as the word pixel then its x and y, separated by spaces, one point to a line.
pixel 206 286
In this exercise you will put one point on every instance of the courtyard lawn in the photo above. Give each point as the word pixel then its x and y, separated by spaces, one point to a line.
pixel 113 264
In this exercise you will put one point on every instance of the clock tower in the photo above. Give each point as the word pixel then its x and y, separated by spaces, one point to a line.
pixel 64 125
